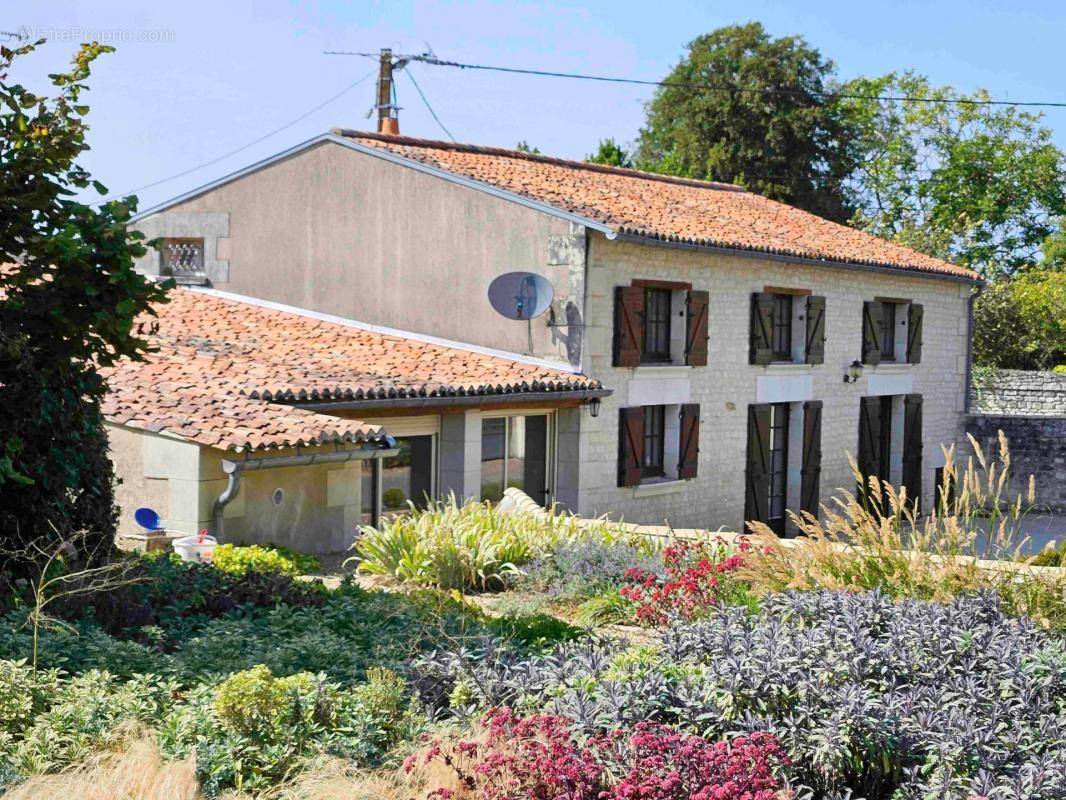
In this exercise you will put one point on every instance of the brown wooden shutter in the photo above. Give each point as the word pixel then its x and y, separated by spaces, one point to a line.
pixel 915 313
pixel 872 313
pixel 628 325
pixel 689 449
pixel 757 479
pixel 815 351
pixel 630 445
pixel 762 323
pixel 696 303
pixel 869 457
pixel 912 447
pixel 811 471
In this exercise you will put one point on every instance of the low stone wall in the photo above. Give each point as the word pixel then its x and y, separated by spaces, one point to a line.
pixel 1019 393
pixel 1037 447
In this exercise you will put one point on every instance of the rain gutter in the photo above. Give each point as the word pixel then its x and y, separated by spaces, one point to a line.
pixel 234 470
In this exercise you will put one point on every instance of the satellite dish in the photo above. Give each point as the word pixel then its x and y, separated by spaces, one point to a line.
pixel 520 295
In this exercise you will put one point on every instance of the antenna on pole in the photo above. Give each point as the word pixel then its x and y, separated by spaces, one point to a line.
pixel 388 119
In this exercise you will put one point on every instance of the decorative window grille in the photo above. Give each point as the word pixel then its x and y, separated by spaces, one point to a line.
pixel 183 257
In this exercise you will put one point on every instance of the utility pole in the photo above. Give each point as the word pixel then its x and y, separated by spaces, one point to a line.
pixel 388 122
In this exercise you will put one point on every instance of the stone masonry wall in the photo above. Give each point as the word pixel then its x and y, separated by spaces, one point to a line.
pixel 728 384
pixel 1038 448
pixel 1020 393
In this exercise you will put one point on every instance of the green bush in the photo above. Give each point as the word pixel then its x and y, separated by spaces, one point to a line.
pixel 473 546
pixel 241 560
pixel 534 632
pixel 393 498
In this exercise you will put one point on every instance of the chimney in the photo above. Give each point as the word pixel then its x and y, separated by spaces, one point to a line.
pixel 390 126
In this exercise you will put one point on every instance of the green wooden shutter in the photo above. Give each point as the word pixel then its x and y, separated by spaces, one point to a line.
pixel 811 471
pixel 757 474
pixel 628 325
pixel 696 303
pixel 815 351
pixel 872 313
pixel 912 447
pixel 915 313
pixel 630 445
pixel 762 323
pixel 688 452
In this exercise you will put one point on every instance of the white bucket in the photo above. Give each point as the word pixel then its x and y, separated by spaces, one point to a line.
pixel 197 549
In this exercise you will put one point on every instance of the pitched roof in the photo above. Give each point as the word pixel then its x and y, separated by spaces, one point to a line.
pixel 223 369
pixel 662 207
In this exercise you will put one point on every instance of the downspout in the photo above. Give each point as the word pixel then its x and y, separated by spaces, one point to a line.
pixel 234 470
pixel 969 344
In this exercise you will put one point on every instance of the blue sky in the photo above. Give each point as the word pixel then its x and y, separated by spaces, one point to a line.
pixel 200 79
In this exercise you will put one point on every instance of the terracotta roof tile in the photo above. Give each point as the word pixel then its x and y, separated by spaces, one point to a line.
pixel 662 207
pixel 224 370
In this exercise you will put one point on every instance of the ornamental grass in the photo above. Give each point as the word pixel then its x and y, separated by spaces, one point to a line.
pixel 971 540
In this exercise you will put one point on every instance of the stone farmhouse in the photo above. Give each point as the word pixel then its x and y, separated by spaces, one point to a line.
pixel 710 357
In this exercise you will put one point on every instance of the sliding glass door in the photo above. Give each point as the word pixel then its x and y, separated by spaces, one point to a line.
pixel 515 453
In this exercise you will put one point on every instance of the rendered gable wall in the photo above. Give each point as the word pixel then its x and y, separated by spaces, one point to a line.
pixel 340 232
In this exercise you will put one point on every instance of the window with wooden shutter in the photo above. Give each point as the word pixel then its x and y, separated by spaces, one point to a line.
pixel 811 470
pixel 628 325
pixel 915 312
pixel 872 320
pixel 689 449
pixel 869 458
pixel 630 445
pixel 815 349
pixel 912 447
pixel 757 474
pixel 762 326
pixel 696 304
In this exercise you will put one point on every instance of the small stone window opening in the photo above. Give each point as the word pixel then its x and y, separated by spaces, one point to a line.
pixel 277 498
pixel 183 258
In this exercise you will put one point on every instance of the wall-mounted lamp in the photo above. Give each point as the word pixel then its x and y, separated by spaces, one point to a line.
pixel 594 406
pixel 854 372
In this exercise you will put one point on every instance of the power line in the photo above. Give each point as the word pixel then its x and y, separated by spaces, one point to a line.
pixel 436 62
pixel 243 147
pixel 428 106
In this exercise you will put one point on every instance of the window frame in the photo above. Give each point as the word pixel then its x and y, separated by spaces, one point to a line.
pixel 653 459
pixel 656 346
pixel 781 329
pixel 889 320
pixel 549 444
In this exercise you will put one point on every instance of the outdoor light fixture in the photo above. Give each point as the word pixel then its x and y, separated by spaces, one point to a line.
pixel 594 406
pixel 854 372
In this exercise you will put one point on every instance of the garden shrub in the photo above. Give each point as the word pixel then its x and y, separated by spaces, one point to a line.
pixel 538 756
pixel 577 571
pixel 78 716
pixel 534 632
pixel 880 698
pixel 696 577
pixel 885 545
pixel 470 546
pixel 243 559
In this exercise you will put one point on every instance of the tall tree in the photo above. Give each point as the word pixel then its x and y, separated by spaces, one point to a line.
pixel 979 185
pixel 747 108
pixel 611 153
pixel 68 298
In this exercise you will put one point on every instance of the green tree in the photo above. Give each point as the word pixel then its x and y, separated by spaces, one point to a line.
pixel 610 153
pixel 979 185
pixel 1020 323
pixel 68 298
pixel 524 147
pixel 1054 250
pixel 746 108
